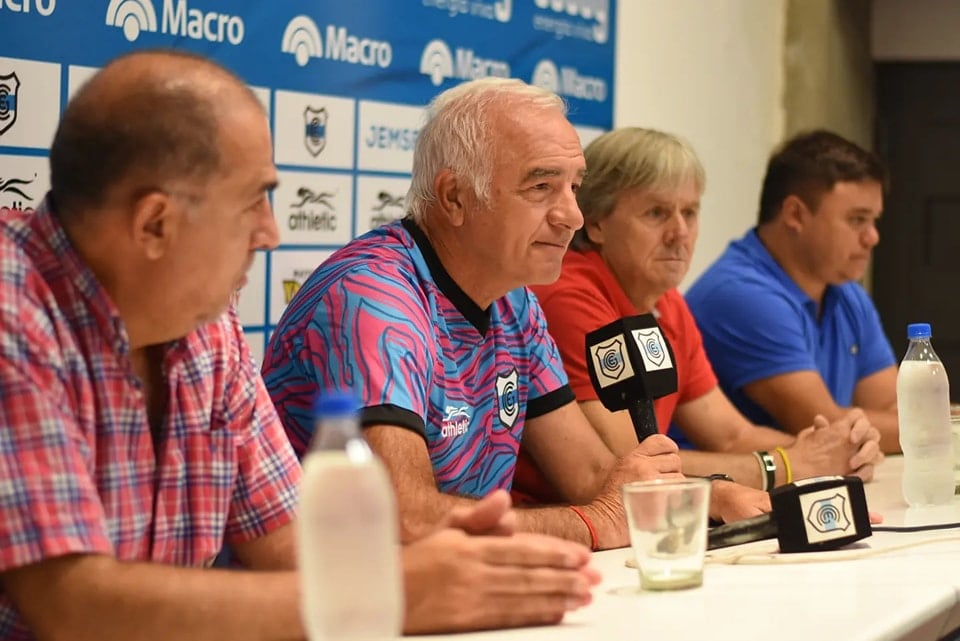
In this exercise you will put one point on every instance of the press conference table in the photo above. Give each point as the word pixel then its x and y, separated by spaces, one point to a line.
pixel 889 592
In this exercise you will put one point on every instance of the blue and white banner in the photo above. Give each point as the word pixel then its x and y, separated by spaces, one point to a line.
pixel 344 83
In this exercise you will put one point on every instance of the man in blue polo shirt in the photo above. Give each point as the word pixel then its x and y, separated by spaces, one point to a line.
pixel 789 331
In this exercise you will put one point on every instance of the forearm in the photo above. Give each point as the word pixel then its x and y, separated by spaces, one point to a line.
pixel 886 422
pixel 563 522
pixel 744 468
pixel 99 598
pixel 759 437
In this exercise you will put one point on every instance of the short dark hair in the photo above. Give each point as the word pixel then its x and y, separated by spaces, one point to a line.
pixel 809 165
pixel 152 126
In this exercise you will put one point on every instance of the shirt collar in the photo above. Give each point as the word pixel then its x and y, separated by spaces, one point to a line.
pixel 756 249
pixel 479 318
pixel 65 259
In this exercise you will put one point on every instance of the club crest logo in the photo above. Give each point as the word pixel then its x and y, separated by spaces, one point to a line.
pixel 508 403
pixel 9 87
pixel 654 352
pixel 610 361
pixel 315 129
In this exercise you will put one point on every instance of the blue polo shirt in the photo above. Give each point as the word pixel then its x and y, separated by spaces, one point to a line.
pixel 757 323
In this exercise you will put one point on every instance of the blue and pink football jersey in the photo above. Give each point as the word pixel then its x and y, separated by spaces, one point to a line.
pixel 383 318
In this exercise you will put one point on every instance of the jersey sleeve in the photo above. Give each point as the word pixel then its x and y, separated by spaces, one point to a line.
pixel 549 386
pixel 368 331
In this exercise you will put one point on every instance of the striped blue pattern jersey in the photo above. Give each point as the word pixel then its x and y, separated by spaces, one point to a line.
pixel 383 318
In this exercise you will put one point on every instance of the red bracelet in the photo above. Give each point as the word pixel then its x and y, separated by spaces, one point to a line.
pixel 594 543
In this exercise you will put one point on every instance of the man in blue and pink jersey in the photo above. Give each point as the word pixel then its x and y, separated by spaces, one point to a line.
pixel 429 321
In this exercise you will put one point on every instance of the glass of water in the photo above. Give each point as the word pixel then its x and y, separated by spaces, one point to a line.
pixel 667 520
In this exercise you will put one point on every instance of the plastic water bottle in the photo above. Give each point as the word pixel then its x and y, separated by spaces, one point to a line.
pixel 349 555
pixel 923 408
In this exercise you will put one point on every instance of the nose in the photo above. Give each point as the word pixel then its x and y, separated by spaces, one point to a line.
pixel 266 235
pixel 870 236
pixel 566 212
pixel 677 228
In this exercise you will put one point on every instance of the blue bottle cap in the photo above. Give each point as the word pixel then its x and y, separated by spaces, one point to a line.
pixel 335 403
pixel 918 330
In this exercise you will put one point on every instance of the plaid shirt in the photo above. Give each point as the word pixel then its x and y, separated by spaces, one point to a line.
pixel 78 470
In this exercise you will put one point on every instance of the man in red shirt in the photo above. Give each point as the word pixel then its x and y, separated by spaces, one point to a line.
pixel 641 204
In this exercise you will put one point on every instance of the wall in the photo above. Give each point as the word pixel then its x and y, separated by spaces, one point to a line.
pixel 828 68
pixel 713 73
pixel 915 30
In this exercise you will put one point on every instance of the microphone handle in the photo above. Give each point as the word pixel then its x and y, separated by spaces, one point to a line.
pixel 755 528
pixel 643 417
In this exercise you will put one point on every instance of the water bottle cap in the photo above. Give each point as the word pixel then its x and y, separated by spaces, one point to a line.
pixel 335 403
pixel 918 330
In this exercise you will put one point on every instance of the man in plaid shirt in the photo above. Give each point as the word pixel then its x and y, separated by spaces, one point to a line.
pixel 136 437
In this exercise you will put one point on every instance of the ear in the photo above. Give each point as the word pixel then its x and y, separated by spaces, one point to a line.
pixel 154 223
pixel 594 232
pixel 793 212
pixel 450 197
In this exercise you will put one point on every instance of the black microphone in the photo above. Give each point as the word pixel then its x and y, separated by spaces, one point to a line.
pixel 630 364
pixel 821 513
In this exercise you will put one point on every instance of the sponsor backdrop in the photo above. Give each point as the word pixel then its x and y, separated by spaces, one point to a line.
pixel 344 84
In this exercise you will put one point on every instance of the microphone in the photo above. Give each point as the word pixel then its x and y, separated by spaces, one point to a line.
pixel 820 513
pixel 630 364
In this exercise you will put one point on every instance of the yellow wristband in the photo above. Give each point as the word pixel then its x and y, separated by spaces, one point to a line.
pixel 786 463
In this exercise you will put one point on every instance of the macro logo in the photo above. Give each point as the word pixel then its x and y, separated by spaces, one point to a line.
pixel 9 88
pixel 546 76
pixel 455 421
pixel 43 7
pixel 301 37
pixel 313 211
pixel 436 61
pixel 439 63
pixel 177 19
pixel 315 129
pixel 568 81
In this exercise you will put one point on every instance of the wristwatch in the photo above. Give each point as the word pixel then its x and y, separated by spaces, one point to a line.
pixel 720 477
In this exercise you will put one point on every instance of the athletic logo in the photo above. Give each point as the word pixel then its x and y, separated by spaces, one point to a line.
pixel 13 186
pixel 546 76
pixel 9 86
pixel 508 404
pixel 455 422
pixel 315 129
pixel 436 61
pixel 654 352
pixel 302 39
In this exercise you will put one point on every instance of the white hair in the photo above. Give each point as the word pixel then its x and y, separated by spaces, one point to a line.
pixel 458 135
